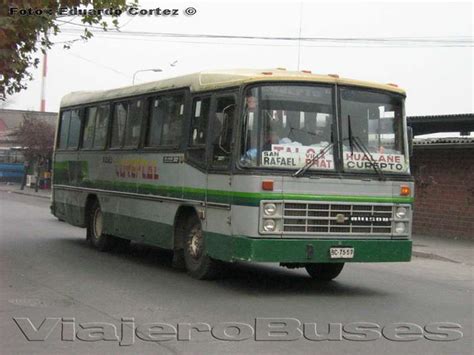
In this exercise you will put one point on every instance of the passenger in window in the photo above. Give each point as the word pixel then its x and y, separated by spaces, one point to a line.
pixel 271 137
pixel 250 103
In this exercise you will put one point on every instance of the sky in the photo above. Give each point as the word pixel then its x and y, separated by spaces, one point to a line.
pixel 438 78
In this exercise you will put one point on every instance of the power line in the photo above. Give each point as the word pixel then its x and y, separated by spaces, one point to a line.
pixel 98 64
pixel 79 24
pixel 70 22
pixel 327 43
pixel 124 38
pixel 439 40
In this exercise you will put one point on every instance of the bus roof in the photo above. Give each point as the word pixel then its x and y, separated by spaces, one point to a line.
pixel 217 79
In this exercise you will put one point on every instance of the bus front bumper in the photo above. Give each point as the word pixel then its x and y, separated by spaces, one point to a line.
pixel 239 248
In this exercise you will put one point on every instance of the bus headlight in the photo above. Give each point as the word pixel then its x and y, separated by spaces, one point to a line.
pixel 269 209
pixel 401 212
pixel 269 225
pixel 400 228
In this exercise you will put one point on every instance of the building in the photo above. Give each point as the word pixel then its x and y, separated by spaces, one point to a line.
pixel 10 120
pixel 444 176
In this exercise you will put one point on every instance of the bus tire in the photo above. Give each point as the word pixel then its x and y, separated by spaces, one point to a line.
pixel 96 237
pixel 324 271
pixel 198 264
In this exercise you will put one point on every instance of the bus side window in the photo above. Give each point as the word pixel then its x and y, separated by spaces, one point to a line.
pixel 166 121
pixel 118 124
pixel 89 126
pixel 134 123
pixel 64 129
pixel 101 126
pixel 173 121
pixel 155 123
pixel 221 128
pixel 199 120
pixel 74 130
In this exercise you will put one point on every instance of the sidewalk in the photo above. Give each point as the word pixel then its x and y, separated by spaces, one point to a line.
pixel 15 188
pixel 444 249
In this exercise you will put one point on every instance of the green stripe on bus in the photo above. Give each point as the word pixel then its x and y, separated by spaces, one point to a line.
pixel 234 197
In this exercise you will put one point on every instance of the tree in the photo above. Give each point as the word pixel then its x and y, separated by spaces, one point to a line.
pixel 21 35
pixel 36 137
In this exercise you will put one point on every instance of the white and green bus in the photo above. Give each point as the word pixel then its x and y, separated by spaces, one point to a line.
pixel 277 166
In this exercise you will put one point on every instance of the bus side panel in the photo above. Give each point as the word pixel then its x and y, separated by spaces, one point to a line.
pixel 69 207
pixel 134 183
pixel 69 204
pixel 145 221
pixel 194 184
pixel 97 175
pixel 219 199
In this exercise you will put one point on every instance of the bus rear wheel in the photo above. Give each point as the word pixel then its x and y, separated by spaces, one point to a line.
pixel 198 264
pixel 95 229
pixel 324 271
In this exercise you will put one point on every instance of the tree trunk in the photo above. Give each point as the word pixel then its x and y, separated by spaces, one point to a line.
pixel 38 174
pixel 26 166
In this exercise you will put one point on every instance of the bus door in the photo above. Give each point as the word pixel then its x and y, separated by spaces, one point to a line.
pixel 219 179
pixel 195 174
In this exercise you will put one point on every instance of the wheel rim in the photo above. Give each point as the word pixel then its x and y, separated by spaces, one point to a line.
pixel 98 223
pixel 195 243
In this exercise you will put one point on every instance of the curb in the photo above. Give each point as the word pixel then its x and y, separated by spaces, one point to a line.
pixel 27 194
pixel 425 255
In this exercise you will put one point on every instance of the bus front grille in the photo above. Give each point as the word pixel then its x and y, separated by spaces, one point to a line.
pixel 338 218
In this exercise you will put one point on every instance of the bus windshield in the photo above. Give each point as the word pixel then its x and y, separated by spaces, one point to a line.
pixel 372 122
pixel 286 126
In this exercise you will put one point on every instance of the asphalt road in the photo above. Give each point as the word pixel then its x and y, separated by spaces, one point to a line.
pixel 48 270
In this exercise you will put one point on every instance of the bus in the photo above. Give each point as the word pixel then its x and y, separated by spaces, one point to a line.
pixel 308 171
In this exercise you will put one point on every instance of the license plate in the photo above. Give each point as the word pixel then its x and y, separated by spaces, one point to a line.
pixel 341 253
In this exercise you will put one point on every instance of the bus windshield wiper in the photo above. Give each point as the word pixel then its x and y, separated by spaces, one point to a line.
pixel 359 144
pixel 315 159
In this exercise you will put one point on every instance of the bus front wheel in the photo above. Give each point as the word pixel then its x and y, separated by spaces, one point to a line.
pixel 97 238
pixel 198 264
pixel 324 271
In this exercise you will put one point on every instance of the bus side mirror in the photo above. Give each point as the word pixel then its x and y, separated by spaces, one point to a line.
pixel 410 140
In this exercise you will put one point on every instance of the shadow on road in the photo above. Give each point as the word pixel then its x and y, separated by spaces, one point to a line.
pixel 270 279
pixel 245 278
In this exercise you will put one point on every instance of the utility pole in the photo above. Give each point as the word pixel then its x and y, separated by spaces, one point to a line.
pixel 299 36
pixel 43 81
